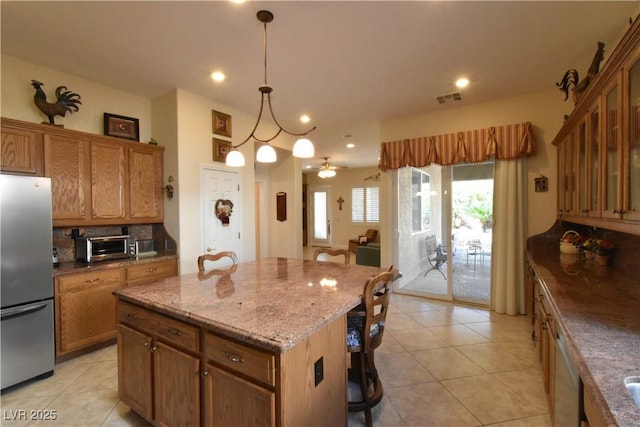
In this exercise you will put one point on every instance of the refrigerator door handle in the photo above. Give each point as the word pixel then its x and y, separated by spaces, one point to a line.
pixel 20 311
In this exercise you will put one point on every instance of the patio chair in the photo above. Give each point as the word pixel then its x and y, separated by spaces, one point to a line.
pixel 435 255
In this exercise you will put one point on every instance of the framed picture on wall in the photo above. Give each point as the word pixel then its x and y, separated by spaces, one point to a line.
pixel 121 127
pixel 220 149
pixel 221 123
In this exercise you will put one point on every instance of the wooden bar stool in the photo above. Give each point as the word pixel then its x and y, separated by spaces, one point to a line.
pixel 333 252
pixel 365 326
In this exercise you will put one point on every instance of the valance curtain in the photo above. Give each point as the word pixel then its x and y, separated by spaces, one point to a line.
pixel 507 142
pixel 509 145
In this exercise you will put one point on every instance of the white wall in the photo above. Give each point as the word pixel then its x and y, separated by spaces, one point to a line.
pixel 97 99
pixel 545 110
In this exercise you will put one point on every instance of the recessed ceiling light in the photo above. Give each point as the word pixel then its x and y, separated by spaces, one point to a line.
pixel 462 82
pixel 238 1
pixel 351 145
pixel 305 119
pixel 218 76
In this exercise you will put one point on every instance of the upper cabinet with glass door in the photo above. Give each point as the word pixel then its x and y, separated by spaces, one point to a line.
pixel 631 164
pixel 599 145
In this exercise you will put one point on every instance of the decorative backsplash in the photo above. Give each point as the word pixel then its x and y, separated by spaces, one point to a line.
pixel 65 244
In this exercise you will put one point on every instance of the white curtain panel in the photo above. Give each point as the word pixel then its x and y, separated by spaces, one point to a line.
pixel 509 214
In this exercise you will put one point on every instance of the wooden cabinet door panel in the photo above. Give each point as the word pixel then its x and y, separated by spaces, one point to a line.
pixel 67 163
pixel 146 273
pixel 108 173
pixel 135 371
pixel 231 401
pixel 22 152
pixel 177 387
pixel 85 317
pixel 145 184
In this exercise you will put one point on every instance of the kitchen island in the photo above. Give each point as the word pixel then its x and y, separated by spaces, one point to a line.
pixel 262 345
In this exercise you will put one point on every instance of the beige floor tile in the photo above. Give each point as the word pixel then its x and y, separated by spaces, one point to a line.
pixel 429 404
pixel 432 318
pixel 397 369
pixel 389 345
pixel 457 335
pixel 82 409
pixel 382 415
pixel 417 339
pixel 409 304
pixel 64 374
pixel 526 382
pixel 20 411
pixel 490 400
pixel 501 329
pixel 536 421
pixel 101 376
pixel 399 321
pixel 447 363
pixel 494 357
pixel 108 353
pixel 123 416
pixel 466 315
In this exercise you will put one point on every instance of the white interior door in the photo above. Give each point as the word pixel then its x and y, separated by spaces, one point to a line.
pixel 221 211
pixel 320 217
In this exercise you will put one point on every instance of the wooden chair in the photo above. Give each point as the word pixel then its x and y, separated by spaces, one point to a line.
pixel 333 252
pixel 365 327
pixel 215 257
pixel 435 255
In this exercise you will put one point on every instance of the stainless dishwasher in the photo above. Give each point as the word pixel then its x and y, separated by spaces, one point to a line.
pixel 567 383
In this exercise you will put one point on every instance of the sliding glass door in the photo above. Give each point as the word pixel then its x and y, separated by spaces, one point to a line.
pixel 445 237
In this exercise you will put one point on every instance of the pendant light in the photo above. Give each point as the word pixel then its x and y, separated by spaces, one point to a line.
pixel 303 148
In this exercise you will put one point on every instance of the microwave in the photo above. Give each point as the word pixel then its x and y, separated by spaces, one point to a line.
pixel 89 249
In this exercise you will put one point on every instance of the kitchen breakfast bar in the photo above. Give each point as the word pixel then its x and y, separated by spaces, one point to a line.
pixel 261 344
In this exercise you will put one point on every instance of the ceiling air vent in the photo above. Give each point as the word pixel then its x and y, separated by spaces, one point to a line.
pixel 450 97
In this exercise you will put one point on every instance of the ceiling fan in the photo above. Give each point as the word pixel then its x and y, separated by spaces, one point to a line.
pixel 327 170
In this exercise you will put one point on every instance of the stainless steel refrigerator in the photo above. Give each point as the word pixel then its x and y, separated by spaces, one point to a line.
pixel 27 345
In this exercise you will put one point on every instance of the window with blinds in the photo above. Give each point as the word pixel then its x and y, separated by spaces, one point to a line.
pixel 365 204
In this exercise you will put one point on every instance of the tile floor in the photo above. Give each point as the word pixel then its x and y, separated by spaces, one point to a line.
pixel 441 364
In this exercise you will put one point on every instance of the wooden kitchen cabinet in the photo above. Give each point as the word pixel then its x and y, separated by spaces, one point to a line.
pixel 163 348
pixel 599 146
pixel 145 184
pixel 544 334
pixel 108 172
pixel 135 362
pixel 22 151
pixel 85 309
pixel 230 400
pixel 151 271
pixel 67 161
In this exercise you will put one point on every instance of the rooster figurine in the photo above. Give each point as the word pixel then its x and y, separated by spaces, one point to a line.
pixel 66 101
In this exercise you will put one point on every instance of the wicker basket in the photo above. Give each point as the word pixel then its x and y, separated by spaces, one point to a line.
pixel 569 248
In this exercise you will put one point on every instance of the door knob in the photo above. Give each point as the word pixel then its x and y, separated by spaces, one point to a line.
pixel 209 249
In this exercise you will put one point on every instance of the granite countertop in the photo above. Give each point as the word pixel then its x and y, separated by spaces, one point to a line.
pixel 74 267
pixel 273 303
pixel 598 310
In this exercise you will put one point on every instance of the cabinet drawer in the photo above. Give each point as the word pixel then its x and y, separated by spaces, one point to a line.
pixel 254 363
pixel 87 280
pixel 152 270
pixel 162 327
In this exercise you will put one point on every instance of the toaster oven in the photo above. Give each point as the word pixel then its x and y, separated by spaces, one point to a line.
pixel 90 249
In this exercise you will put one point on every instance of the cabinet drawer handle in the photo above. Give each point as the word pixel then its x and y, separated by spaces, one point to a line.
pixel 154 348
pixel 131 316
pixel 149 270
pixel 146 344
pixel 204 373
pixel 233 357
pixel 91 280
pixel 174 332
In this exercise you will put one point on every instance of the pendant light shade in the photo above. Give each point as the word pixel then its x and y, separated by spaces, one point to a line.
pixel 266 154
pixel 234 159
pixel 303 148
